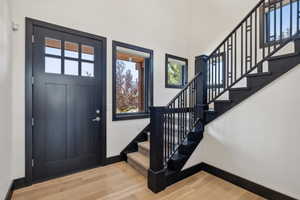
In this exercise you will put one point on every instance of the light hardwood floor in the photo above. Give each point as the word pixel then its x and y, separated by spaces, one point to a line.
pixel 121 182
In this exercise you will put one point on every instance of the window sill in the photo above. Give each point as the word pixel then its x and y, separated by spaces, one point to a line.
pixel 122 117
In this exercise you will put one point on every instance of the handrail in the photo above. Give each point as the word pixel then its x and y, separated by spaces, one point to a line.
pixel 243 20
pixel 252 42
pixel 176 119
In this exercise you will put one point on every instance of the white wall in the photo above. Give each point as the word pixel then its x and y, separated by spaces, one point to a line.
pixel 158 25
pixel 211 21
pixel 5 99
pixel 258 139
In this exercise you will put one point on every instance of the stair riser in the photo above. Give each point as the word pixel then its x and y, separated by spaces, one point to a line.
pixel 144 151
pixel 210 117
pixel 258 82
pixel 281 66
pixel 138 167
pixel 237 96
pixel 277 67
pixel 223 107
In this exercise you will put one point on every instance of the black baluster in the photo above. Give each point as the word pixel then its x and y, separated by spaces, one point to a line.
pixel 218 68
pixel 281 37
pixel 269 27
pixel 173 128
pixel 215 77
pixel 291 18
pixel 246 47
pixel 275 27
pixel 242 48
pixel 264 33
pixel 235 58
pixel 255 54
pixel 297 16
pixel 227 65
pixel 251 45
pixel 231 60
pixel 209 77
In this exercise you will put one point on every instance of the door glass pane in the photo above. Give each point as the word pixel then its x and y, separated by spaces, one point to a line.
pixel 52 65
pixel 87 69
pixel 52 46
pixel 87 53
pixel 71 49
pixel 71 67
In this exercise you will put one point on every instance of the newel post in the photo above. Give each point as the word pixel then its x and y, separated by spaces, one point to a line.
pixel 201 67
pixel 156 172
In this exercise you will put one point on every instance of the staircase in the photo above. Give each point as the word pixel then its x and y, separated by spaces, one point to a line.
pixel 248 59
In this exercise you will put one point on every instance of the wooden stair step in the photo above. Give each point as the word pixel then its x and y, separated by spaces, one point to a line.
pixel 144 148
pixel 145 145
pixel 139 162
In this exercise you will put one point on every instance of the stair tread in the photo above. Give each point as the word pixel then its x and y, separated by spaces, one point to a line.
pixel 210 111
pixel 259 74
pixel 239 88
pixel 145 145
pixel 140 159
pixel 284 56
pixel 223 101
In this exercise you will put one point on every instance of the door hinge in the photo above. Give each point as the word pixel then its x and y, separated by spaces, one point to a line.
pixel 32 39
pixel 32 80
pixel 32 162
pixel 32 121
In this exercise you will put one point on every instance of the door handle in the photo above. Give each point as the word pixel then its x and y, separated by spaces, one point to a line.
pixel 97 119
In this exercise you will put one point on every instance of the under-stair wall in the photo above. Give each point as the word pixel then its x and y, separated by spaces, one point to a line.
pixel 259 139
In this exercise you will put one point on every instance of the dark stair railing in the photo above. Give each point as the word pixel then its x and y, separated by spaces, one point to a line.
pixel 169 127
pixel 245 50
pixel 258 37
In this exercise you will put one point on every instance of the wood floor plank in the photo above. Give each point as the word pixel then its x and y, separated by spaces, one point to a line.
pixel 121 182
